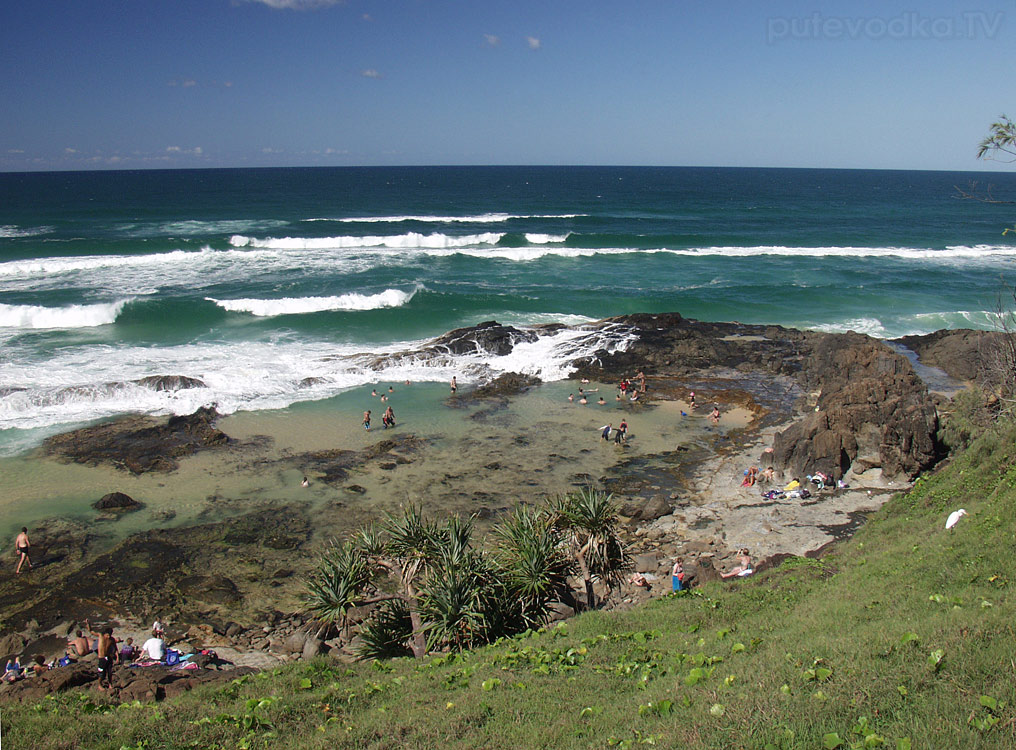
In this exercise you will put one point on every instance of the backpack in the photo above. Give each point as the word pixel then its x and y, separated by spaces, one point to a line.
pixel 172 657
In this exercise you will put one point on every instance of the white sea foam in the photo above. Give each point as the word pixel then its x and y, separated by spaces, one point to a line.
pixel 195 228
pixel 544 239
pixel 11 231
pixel 909 253
pixel 870 326
pixel 301 305
pixel 87 383
pixel 71 316
pixel 410 240
pixel 488 218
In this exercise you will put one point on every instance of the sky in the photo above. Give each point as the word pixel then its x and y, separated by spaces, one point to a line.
pixel 134 84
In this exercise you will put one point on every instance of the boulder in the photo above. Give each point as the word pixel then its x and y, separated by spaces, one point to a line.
pixel 116 501
pixel 169 382
pixel 211 589
pixel 656 507
pixel 294 644
pixel 312 647
pixel 506 384
pixel 871 405
pixel 139 444
pixel 647 562
pixel 11 645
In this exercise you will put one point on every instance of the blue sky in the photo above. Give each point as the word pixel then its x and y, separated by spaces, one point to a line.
pixel 218 83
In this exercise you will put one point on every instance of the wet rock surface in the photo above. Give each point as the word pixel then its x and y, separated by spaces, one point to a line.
pixel 117 501
pixel 139 444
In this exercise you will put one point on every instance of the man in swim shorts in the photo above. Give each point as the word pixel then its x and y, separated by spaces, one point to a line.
pixel 21 547
pixel 366 420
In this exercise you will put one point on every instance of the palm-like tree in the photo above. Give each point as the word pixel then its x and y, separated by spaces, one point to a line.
pixel 588 520
pixel 340 582
pixel 535 565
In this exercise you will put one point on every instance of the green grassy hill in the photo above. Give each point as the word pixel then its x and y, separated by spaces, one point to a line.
pixel 901 637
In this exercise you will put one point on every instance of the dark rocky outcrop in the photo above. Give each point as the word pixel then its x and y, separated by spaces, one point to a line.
pixel 958 353
pixel 489 337
pixel 506 384
pixel 211 589
pixel 169 382
pixel 140 444
pixel 872 407
pixel 127 685
pixel 117 501
pixel 872 410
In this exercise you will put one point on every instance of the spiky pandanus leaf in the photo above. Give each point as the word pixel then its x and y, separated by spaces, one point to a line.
pixel 387 633
pixel 342 576
pixel 455 601
pixel 535 565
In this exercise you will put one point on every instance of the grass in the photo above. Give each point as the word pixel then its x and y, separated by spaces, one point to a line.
pixel 901 637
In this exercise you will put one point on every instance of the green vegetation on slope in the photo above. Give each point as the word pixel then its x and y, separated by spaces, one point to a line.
pixel 901 638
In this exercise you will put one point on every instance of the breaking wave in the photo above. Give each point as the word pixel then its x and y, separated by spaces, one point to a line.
pixel 71 316
pixel 302 305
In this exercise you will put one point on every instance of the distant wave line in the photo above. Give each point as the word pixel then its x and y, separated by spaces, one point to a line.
pixel 410 240
pixel 12 231
pixel 488 218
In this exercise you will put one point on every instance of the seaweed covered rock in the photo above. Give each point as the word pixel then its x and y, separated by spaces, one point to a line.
pixel 140 444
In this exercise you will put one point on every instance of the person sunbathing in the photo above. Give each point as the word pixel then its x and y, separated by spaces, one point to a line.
pixel 743 569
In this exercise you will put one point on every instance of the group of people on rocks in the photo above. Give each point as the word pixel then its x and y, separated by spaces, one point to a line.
pixel 108 652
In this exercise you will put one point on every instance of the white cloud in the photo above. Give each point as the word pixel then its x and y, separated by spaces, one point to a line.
pixel 297 4
pixel 339 151
pixel 70 150
pixel 492 39
pixel 15 151
pixel 533 42
pixel 196 151
pixel 188 83
pixel 370 73
pixel 269 150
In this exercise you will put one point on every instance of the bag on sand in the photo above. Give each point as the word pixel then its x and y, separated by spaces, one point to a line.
pixel 172 657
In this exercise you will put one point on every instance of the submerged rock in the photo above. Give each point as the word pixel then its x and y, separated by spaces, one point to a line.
pixel 117 501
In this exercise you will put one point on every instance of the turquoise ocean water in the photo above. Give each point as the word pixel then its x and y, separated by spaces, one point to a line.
pixel 276 286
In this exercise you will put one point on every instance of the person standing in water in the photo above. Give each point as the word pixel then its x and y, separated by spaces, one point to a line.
pixel 605 435
pixel 455 385
pixel 366 420
pixel 21 548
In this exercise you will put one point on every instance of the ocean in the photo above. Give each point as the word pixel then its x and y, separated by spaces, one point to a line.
pixel 276 287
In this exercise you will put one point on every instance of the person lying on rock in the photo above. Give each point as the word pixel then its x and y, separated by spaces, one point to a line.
pixel 637 579
pixel 12 671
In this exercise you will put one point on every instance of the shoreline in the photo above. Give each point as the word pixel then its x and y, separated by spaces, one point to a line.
pixel 240 548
